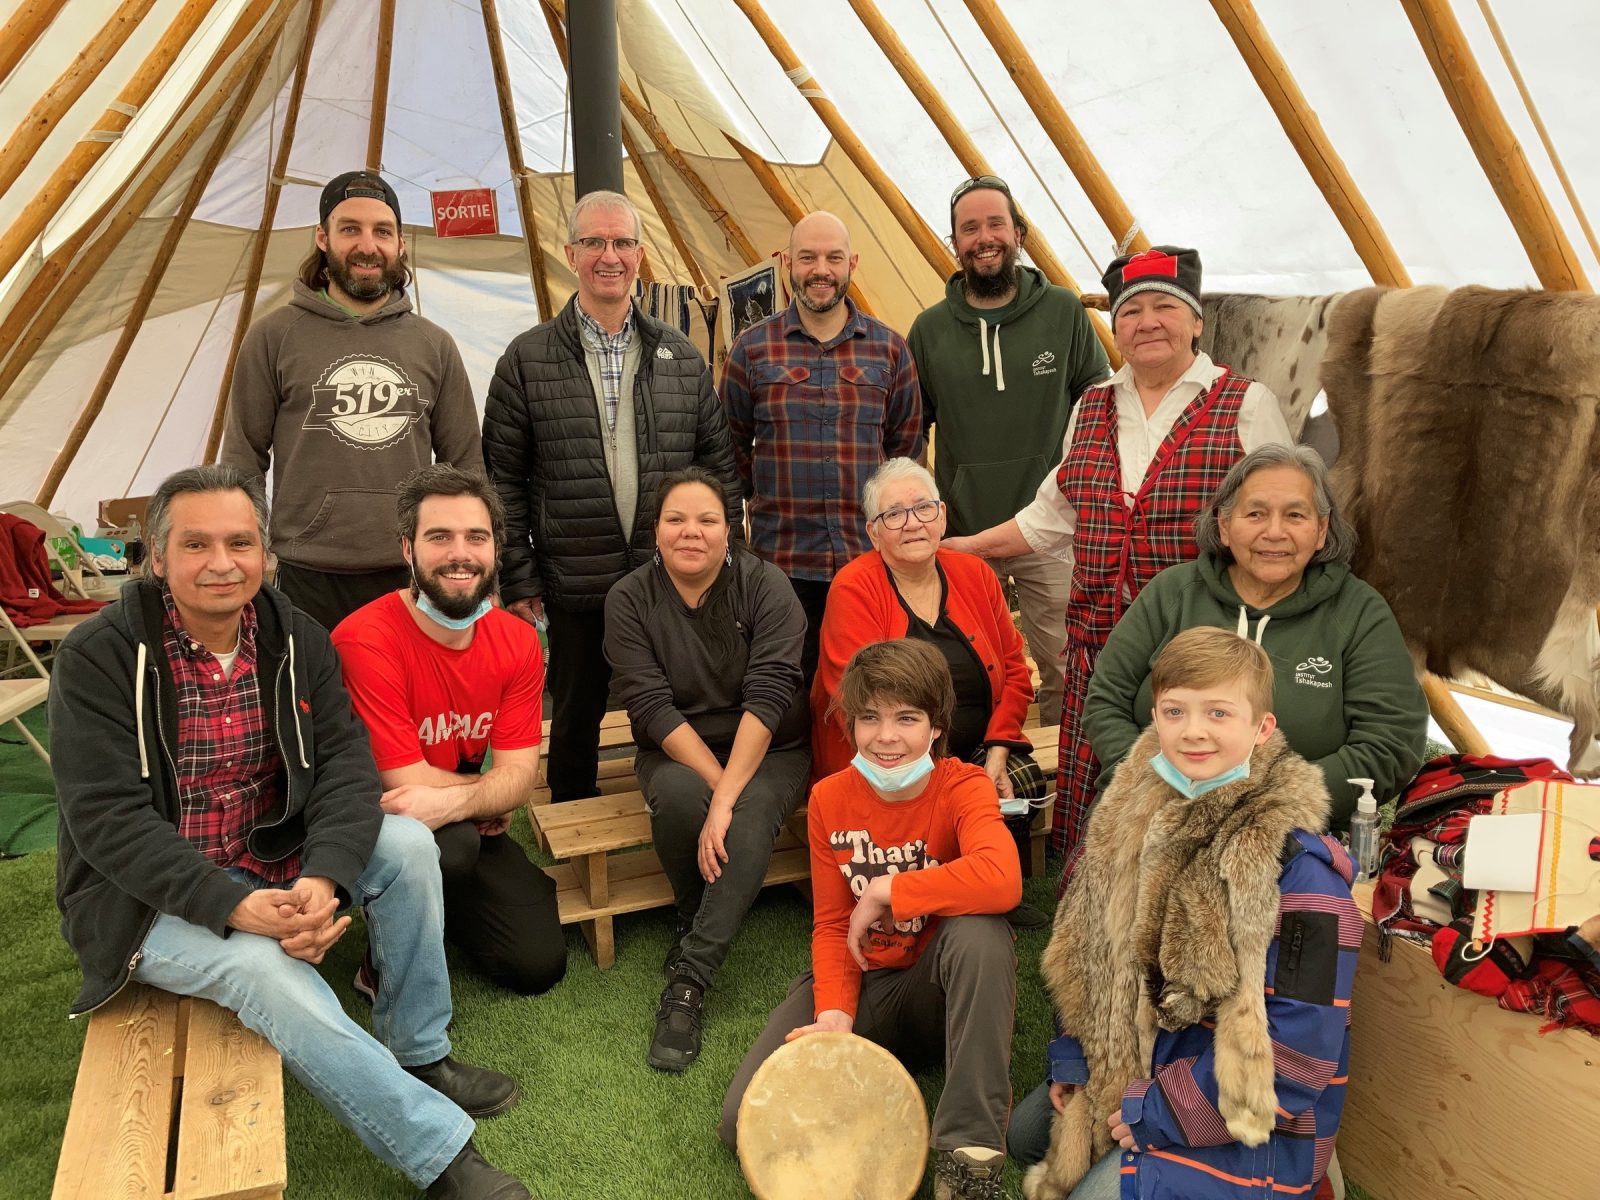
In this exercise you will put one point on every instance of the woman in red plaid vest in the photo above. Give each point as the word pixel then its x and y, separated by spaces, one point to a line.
pixel 1142 453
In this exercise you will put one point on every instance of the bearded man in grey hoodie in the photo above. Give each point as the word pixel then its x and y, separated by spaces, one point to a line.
pixel 346 391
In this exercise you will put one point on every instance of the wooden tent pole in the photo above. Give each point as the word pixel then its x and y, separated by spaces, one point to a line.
pixel 42 316
pixel 152 284
pixel 932 249
pixel 1499 153
pixel 82 71
pixel 269 213
pixel 380 86
pixel 966 150
pixel 1311 142
pixel 784 199
pixel 1052 115
pixel 519 169
pixel 36 214
pixel 1453 720
pixel 558 36
pixel 22 29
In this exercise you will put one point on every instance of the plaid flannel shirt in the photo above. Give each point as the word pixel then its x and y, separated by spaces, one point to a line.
pixel 811 422
pixel 612 350
pixel 229 768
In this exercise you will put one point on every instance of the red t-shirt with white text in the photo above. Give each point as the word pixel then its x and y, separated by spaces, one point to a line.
pixel 423 701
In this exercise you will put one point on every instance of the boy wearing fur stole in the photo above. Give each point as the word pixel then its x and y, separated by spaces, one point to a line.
pixel 910 865
pixel 1202 957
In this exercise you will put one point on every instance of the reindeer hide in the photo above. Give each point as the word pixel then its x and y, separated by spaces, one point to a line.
pixel 1277 340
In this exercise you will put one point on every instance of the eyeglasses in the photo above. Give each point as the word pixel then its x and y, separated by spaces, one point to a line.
pixel 923 510
pixel 597 245
pixel 976 182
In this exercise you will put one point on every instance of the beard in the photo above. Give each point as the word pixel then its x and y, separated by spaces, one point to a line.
pixel 453 604
pixel 797 286
pixel 358 288
pixel 999 280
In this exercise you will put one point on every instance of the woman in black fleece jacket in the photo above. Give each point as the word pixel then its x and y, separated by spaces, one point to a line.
pixel 704 645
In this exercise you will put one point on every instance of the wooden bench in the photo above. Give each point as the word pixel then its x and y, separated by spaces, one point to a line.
pixel 1452 1096
pixel 174 1099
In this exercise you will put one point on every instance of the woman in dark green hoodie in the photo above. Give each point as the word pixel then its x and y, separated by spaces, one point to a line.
pixel 1273 567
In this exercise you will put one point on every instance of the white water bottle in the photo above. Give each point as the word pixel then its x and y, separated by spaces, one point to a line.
pixel 1364 832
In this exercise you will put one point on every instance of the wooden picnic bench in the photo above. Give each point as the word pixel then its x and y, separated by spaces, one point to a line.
pixel 175 1099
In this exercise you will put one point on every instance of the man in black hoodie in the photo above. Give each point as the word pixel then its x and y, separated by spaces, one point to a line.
pixel 229 812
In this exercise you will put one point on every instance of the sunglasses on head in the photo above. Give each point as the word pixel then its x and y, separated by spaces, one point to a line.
pixel 976 182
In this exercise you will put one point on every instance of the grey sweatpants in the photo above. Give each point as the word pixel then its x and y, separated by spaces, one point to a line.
pixel 953 1007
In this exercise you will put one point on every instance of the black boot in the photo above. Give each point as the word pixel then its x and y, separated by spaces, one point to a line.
pixel 479 1092
pixel 469 1177
pixel 677 1040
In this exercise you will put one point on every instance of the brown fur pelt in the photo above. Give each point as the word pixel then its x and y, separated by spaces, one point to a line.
pixel 1467 464
pixel 1168 916
pixel 1276 340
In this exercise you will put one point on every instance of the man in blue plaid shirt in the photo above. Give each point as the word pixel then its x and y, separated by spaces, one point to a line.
pixel 818 397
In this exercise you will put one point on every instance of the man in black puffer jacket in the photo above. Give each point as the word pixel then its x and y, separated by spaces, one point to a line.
pixel 585 415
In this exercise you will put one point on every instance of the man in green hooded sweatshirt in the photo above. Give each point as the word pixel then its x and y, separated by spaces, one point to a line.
pixel 1002 358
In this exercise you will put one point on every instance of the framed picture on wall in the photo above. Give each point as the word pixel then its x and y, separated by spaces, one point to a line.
pixel 752 295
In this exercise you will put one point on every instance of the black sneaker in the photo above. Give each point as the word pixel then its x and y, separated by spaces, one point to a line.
pixel 1026 916
pixel 366 981
pixel 478 1091
pixel 677 1040
pixel 470 1177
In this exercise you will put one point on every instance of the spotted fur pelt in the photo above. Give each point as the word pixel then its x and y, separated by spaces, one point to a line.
pixel 1168 917
pixel 1469 445
pixel 1277 340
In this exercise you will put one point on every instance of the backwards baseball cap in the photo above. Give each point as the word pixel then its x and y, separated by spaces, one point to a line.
pixel 351 185
pixel 1170 269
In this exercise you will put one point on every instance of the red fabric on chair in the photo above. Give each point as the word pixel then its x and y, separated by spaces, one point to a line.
pixel 26 590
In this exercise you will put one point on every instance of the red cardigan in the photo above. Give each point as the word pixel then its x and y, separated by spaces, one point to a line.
pixel 863 608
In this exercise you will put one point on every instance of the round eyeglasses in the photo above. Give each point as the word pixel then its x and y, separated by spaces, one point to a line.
pixel 923 510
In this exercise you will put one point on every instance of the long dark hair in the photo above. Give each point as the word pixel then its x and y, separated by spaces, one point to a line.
pixel 716 620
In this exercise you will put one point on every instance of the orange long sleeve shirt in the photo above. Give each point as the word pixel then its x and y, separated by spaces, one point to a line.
pixel 948 849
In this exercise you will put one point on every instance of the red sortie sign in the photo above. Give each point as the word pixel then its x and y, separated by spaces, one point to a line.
pixel 466 213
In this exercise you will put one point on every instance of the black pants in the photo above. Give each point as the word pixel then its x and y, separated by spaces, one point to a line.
pixel 500 909
pixel 579 679
pixel 679 800
pixel 328 597
pixel 813 597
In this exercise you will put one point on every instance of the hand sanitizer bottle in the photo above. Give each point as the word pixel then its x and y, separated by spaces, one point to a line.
pixel 1364 832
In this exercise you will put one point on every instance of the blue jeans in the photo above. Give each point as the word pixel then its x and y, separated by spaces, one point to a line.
pixel 399 1118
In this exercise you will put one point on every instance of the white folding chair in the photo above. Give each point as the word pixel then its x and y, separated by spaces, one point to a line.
pixel 20 695
pixel 97 585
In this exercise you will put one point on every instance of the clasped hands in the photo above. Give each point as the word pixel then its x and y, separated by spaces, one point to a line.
pixel 300 918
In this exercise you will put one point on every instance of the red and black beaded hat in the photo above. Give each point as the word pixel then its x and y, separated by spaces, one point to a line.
pixel 1170 269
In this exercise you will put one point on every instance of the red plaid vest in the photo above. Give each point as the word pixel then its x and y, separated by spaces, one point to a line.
pixel 1124 539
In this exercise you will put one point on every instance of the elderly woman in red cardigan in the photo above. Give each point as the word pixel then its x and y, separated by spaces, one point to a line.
pixel 906 586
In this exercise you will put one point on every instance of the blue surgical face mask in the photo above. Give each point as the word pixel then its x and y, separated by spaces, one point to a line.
pixel 894 779
pixel 1197 787
pixel 430 610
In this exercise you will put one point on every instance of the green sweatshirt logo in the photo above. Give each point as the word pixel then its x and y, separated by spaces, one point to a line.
pixel 366 402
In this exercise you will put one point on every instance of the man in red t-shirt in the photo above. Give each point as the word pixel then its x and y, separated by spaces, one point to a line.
pixel 439 676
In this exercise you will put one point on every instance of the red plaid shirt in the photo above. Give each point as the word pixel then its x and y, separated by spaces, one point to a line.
pixel 229 768
pixel 811 422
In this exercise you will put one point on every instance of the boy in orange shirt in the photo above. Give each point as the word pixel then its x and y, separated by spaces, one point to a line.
pixel 910 865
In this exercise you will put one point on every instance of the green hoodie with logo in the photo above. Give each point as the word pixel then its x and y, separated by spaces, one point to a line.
pixel 1000 384
pixel 1345 694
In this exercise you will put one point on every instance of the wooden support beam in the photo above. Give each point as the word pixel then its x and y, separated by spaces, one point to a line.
pixel 157 272
pixel 1311 142
pixel 784 200
pixel 269 212
pixel 519 169
pixel 1457 726
pixel 1498 150
pixel 380 86
pixel 966 150
pixel 82 71
pixel 932 248
pixel 1052 115
pixel 75 269
pixel 50 198
pixel 22 29
pixel 558 35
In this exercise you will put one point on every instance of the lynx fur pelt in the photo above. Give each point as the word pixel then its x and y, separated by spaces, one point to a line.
pixel 1277 340
pixel 1469 464
pixel 1168 917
